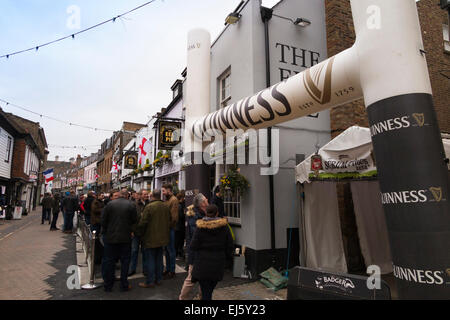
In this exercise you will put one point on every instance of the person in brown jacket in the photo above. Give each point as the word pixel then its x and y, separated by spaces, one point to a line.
pixel 96 212
pixel 172 203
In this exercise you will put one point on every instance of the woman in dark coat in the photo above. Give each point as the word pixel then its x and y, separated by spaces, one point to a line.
pixel 211 245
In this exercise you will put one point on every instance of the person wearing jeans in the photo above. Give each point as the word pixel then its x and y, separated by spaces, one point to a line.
pixel 68 221
pixel 154 257
pixel 56 208
pixel 170 256
pixel 154 230
pixel 172 203
pixel 69 206
pixel 141 200
pixel 47 203
pixel 135 245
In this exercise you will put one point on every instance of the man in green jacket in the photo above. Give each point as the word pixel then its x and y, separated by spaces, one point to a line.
pixel 154 229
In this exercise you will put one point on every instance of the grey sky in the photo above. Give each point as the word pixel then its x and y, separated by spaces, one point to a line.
pixel 118 72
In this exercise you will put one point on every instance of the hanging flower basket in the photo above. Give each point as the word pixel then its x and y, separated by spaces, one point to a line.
pixel 147 167
pixel 234 181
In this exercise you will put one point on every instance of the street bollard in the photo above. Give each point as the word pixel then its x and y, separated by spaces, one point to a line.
pixel 91 285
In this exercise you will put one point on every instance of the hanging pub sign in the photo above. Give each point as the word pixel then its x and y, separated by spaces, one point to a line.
pixel 131 160
pixel 169 134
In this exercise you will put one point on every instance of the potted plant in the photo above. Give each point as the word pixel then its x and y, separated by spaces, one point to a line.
pixel 234 181
pixel 147 168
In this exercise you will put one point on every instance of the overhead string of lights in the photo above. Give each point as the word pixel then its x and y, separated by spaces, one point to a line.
pixel 73 147
pixel 52 118
pixel 36 48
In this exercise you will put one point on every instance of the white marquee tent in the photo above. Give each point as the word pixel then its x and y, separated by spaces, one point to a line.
pixel 348 157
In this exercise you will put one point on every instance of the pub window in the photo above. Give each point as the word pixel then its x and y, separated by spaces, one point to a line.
pixel 225 88
pixel 8 149
pixel 445 31
pixel 231 202
pixel 232 206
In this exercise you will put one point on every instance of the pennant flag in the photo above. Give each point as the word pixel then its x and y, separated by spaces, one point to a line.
pixel 48 175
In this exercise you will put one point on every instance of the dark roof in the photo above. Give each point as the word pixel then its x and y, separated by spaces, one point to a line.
pixel 14 126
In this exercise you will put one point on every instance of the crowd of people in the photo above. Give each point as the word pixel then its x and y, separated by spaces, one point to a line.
pixel 155 224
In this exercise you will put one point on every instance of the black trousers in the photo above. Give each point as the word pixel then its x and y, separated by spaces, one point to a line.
pixel 46 213
pixel 207 287
pixel 55 219
pixel 179 242
pixel 111 253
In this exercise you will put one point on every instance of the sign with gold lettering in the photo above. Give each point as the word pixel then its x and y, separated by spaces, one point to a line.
pixel 169 134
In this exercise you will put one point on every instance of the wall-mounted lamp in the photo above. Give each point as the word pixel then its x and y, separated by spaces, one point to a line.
pixel 302 22
pixel 232 18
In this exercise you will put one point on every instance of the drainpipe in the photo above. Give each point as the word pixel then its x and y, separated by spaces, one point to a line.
pixel 266 15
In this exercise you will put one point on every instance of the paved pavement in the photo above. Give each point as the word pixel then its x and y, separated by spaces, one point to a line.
pixel 34 262
pixel 28 258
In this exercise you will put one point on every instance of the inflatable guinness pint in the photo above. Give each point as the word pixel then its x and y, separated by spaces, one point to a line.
pixel 386 66
pixel 408 147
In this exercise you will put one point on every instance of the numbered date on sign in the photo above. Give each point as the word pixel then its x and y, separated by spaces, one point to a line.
pixel 344 92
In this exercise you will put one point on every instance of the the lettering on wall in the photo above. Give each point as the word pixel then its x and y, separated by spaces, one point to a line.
pixel 292 59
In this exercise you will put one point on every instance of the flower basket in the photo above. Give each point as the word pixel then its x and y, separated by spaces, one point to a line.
pixel 234 181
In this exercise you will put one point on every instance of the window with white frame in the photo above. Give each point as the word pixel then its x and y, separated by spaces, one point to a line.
pixel 225 88
pixel 232 206
pixel 8 149
pixel 231 202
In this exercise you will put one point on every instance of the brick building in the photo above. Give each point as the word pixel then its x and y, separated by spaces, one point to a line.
pixel 104 164
pixel 60 169
pixel 341 35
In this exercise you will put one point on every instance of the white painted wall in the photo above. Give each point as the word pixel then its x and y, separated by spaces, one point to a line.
pixel 5 161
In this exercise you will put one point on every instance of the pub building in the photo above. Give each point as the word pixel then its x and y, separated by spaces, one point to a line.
pixel 168 149
pixel 266 216
pixel 289 38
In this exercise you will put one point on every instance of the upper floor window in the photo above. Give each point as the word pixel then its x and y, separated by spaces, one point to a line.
pixel 8 149
pixel 225 88
pixel 445 31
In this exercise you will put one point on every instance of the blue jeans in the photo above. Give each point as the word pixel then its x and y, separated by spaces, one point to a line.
pixel 112 252
pixel 135 243
pixel 46 213
pixel 68 221
pixel 171 253
pixel 155 266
